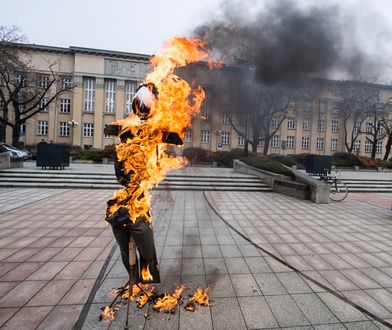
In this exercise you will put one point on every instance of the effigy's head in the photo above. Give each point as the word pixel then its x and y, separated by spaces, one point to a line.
pixel 145 95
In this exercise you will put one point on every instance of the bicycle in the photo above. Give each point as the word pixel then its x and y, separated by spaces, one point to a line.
pixel 339 190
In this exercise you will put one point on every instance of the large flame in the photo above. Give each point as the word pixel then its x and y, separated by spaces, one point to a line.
pixel 169 302
pixel 144 155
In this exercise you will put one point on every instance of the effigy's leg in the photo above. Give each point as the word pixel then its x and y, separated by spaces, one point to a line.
pixel 143 235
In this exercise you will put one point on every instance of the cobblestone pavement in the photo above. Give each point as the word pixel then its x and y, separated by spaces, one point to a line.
pixel 345 248
pixel 53 245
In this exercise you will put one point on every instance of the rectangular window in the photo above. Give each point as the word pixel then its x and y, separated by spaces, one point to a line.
pixel 305 142
pixel 290 142
pixel 23 129
pixel 241 140
pixel 44 81
pixel 42 127
pixel 66 82
pixel 379 147
pixel 307 107
pixel 335 108
pixel 320 125
pixel 64 128
pixel 242 120
pixel 130 91
pixel 368 146
pixel 260 143
pixel 369 128
pixel 188 135
pixel 207 104
pixel 335 126
pixel 205 136
pixel 110 96
pixel 334 144
pixel 225 138
pixel 88 129
pixel 104 135
pixel 89 94
pixel 291 122
pixel 306 124
pixel 320 144
pixel 43 105
pixel 275 122
pixel 226 119
pixel 65 105
pixel 275 141
pixel 292 106
pixel 357 145
pixel 357 128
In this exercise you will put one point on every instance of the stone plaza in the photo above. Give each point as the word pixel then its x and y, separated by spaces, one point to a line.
pixel 270 261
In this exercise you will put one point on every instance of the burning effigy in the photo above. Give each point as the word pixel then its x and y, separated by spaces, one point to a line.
pixel 163 107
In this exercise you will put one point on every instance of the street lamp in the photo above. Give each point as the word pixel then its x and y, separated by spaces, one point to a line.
pixel 72 124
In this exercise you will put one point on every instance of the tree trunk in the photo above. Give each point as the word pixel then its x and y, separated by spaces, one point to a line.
pixel 374 146
pixel 16 135
pixel 254 145
pixel 388 147
pixel 3 127
pixel 266 146
pixel 246 148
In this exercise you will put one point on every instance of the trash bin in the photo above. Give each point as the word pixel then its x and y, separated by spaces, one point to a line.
pixel 318 165
pixel 52 155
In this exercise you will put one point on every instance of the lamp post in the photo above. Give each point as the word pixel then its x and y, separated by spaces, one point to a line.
pixel 72 124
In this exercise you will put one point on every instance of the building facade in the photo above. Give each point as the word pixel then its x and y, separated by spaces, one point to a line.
pixel 105 83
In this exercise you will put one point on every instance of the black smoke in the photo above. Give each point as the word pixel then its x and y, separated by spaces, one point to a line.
pixel 283 42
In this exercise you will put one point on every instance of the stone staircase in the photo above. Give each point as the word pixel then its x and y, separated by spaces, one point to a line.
pixel 36 178
pixel 369 185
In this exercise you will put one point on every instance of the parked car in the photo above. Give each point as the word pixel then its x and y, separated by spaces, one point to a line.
pixel 15 152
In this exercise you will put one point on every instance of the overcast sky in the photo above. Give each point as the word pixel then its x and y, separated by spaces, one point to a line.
pixel 142 26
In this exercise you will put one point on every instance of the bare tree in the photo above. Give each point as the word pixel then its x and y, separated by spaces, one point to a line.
pixel 387 124
pixel 23 90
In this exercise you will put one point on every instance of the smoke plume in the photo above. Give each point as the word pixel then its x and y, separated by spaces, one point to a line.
pixel 284 42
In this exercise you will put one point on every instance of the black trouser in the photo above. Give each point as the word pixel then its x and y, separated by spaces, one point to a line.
pixel 144 240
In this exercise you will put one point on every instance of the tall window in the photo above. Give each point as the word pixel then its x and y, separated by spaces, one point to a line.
pixel 305 142
pixel 42 127
pixel 89 94
pixel 323 107
pixel 88 129
pixel 64 128
pixel 65 105
pixel 275 141
pixel 357 145
pixel 130 90
pixel 207 104
pixel 320 125
pixel 110 95
pixel 44 81
pixel 275 122
pixel 43 105
pixel 226 119
pixel 320 144
pixel 66 82
pixel 379 147
pixel 241 140
pixel 335 126
pixel 307 107
pixel 105 135
pixel 205 136
pixel 335 108
pixel 368 146
pixel 290 142
pixel 291 122
pixel 306 124
pixel 334 144
pixel 225 138
pixel 292 106
pixel 188 135
pixel 357 128
pixel 369 128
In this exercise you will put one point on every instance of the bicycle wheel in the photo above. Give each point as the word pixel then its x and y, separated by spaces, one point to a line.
pixel 338 190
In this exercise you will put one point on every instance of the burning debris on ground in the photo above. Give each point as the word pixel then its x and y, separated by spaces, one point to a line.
pixel 142 294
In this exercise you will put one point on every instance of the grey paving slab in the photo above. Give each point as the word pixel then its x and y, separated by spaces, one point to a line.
pixel 269 284
pixel 226 314
pixel 257 313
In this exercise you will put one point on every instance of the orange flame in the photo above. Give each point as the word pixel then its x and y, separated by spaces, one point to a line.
pixel 109 313
pixel 201 297
pixel 144 154
pixel 146 275
pixel 169 302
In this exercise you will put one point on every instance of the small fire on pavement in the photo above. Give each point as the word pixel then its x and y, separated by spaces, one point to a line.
pixel 166 303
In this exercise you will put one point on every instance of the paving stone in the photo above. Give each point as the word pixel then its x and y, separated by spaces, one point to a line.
pixel 61 317
pixel 73 270
pixel 314 309
pixel 215 266
pixel 170 267
pixel 211 251
pixel 236 266
pixel 230 251
pixel 27 318
pixel 360 279
pixel 269 284
pixel 21 293
pixel 342 310
pixel 245 285
pixel 6 314
pixel 48 270
pixel 364 325
pixel 7 286
pixel 286 311
pixel 220 286
pixel 191 252
pixel 21 271
pixel 293 283
pixel 257 265
pixel 192 267
pixel 52 293
pixel 382 296
pixel 338 280
pixel 79 293
pixel 337 326
pixel 257 313
pixel 248 250
pixel 200 319
pixel 226 315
